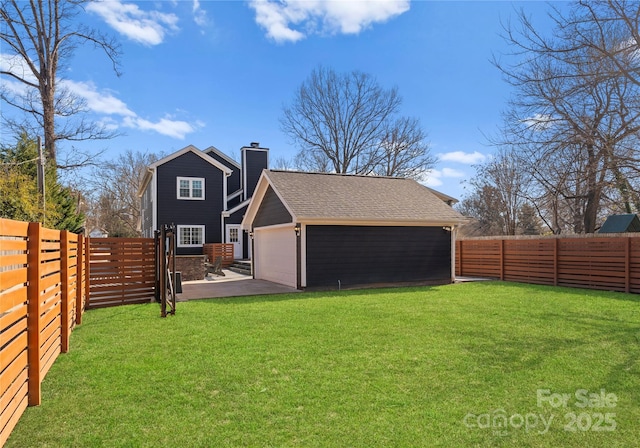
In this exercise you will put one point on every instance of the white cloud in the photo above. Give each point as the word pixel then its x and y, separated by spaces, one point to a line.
pixel 199 14
pixel 102 102
pixel 18 66
pixel 434 178
pixel 450 172
pixel 145 27
pixel 539 122
pixel 165 126
pixel 468 158
pixel 290 21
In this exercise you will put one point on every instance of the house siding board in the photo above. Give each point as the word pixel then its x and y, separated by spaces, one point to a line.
pixel 359 255
pixel 272 211
pixel 255 162
pixel 233 181
pixel 233 202
pixel 236 217
pixel 191 212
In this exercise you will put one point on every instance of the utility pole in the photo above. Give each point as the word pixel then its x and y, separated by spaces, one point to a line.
pixel 41 182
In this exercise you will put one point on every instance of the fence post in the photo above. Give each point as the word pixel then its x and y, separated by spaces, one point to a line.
pixel 87 272
pixel 64 291
pixel 33 311
pixel 79 279
pixel 627 264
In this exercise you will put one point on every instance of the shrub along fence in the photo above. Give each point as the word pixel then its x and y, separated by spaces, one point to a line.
pixel 43 291
pixel 583 261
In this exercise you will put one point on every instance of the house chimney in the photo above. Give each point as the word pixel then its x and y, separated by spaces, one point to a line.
pixel 254 160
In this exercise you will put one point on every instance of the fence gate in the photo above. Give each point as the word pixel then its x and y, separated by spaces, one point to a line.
pixel 166 269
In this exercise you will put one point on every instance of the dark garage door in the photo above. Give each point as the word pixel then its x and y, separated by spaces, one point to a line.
pixel 358 255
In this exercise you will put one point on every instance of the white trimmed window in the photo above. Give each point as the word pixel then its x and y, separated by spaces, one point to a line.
pixel 190 188
pixel 190 236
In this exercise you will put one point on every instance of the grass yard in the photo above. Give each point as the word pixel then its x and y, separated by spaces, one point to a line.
pixel 432 366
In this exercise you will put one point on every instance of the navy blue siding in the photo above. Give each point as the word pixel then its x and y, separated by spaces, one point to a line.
pixel 255 160
pixel 233 181
pixel 191 212
pixel 236 217
pixel 272 211
pixel 361 255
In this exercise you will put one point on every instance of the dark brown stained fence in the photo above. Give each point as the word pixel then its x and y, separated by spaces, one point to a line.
pixel 41 297
pixel 595 262
pixel 215 250
pixel 121 271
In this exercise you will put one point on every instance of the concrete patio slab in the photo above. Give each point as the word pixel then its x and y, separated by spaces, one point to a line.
pixel 231 285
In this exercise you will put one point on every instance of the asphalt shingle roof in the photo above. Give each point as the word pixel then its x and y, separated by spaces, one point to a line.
pixel 359 198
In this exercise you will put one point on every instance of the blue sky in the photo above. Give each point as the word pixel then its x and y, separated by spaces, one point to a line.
pixel 218 72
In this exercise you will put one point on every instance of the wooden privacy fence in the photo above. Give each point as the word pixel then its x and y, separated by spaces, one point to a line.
pixel 592 261
pixel 224 250
pixel 42 297
pixel 122 271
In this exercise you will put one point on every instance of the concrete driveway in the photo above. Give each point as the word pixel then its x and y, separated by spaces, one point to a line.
pixel 231 285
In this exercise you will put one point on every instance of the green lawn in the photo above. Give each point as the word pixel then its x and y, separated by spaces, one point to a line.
pixel 405 367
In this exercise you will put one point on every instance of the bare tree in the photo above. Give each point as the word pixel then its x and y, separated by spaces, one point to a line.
pixel 499 199
pixel 115 205
pixel 38 37
pixel 573 116
pixel 404 151
pixel 347 123
pixel 610 29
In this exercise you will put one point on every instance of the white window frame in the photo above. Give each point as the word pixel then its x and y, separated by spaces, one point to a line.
pixel 179 236
pixel 190 180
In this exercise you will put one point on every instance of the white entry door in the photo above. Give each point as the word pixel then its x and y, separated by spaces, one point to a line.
pixel 234 236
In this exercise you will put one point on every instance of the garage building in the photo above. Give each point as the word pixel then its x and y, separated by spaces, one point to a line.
pixel 312 230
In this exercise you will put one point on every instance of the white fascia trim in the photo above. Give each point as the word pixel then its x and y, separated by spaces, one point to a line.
pixel 222 229
pixel 228 213
pixel 235 194
pixel 276 226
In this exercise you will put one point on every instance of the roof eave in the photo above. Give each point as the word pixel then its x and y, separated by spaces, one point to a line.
pixel 377 222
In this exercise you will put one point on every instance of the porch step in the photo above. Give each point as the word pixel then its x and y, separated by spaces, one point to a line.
pixel 241 267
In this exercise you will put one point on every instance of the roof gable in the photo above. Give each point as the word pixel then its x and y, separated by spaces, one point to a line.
pixel 621 223
pixel 314 197
pixel 195 151
pixel 222 155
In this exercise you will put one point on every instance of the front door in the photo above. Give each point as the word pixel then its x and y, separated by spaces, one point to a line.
pixel 234 236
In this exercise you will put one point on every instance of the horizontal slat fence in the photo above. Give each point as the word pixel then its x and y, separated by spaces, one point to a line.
pixel 121 271
pixel 609 263
pixel 42 296
pixel 215 250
